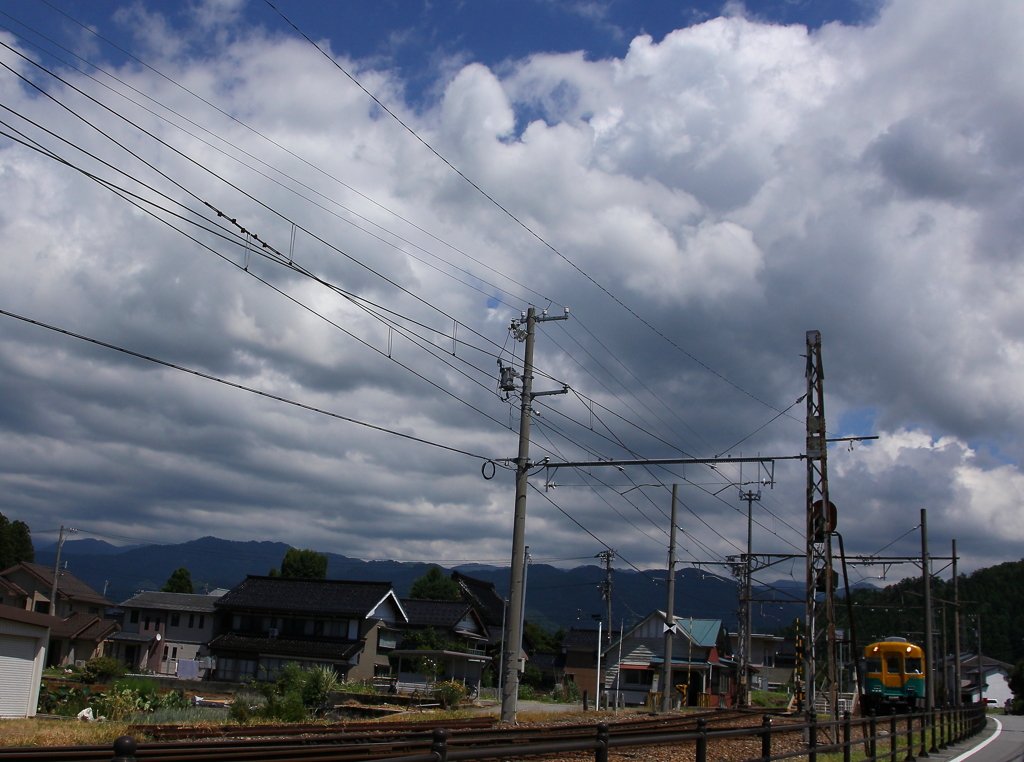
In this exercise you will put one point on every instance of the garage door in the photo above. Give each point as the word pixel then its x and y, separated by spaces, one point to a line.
pixel 16 669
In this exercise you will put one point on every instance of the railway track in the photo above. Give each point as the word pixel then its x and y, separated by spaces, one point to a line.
pixel 348 742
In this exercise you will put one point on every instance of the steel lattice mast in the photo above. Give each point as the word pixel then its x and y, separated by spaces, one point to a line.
pixel 821 669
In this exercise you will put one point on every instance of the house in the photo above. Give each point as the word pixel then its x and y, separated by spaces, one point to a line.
pixel 700 661
pixel 452 635
pixel 995 677
pixel 485 599
pixel 166 633
pixel 579 649
pixel 23 639
pixel 265 622
pixel 768 674
pixel 80 636
pixel 12 595
pixel 36 583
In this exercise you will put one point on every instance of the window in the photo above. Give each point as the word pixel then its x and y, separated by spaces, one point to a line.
pixel 165 653
pixel 94 610
pixel 174 652
pixel 873 666
pixel 42 607
pixel 146 625
pixel 202 618
pixel 912 665
pixel 892 665
pixel 236 622
pixel 191 620
pixel 175 619
pixel 638 677
pixel 135 616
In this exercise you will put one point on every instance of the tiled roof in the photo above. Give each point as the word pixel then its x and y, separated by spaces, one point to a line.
pixel 306 649
pixel 305 596
pixel 435 613
pixel 132 637
pixel 11 588
pixel 172 602
pixel 14 614
pixel 579 637
pixel 82 626
pixel 548 662
pixel 70 585
pixel 490 605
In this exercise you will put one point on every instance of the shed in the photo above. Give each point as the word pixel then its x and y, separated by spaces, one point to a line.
pixel 23 639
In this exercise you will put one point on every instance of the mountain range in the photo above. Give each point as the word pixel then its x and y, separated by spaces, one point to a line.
pixel 555 596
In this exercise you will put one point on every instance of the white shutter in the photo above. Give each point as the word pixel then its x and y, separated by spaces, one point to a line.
pixel 16 675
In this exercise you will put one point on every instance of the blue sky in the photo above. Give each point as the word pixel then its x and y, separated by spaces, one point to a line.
pixel 700 198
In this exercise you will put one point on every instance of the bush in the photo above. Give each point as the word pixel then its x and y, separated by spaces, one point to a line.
pixel 572 693
pixel 320 682
pixel 102 669
pixel 119 703
pixel 526 692
pixel 450 693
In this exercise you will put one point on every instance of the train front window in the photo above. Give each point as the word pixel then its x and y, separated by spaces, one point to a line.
pixel 912 666
pixel 892 665
pixel 873 665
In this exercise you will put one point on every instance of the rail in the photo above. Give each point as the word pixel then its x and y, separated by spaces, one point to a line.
pixel 902 738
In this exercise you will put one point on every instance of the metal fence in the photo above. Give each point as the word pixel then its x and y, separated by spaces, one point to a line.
pixel 897 738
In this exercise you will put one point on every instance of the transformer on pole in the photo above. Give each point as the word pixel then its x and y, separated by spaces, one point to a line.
pixel 820 646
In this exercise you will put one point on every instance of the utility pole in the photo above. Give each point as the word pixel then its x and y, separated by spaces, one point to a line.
pixel 981 669
pixel 56 569
pixel 671 628
pixel 821 670
pixel 957 677
pixel 524 329
pixel 746 594
pixel 606 589
pixel 929 649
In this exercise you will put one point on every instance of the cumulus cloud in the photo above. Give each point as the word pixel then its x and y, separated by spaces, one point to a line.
pixel 734 184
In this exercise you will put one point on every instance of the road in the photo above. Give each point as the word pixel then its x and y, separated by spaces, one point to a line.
pixel 1001 741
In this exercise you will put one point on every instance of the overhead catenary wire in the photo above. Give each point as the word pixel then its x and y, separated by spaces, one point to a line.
pixel 251 390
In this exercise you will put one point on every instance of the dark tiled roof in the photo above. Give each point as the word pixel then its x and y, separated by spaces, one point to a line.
pixel 172 602
pixel 14 614
pixel 305 596
pixel 306 649
pixel 70 585
pixel 548 662
pixel 132 637
pixel 579 637
pixel 11 588
pixel 82 626
pixel 484 595
pixel 435 613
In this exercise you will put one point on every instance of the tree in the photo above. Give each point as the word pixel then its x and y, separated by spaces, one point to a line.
pixel 179 582
pixel 15 543
pixel 302 564
pixel 434 586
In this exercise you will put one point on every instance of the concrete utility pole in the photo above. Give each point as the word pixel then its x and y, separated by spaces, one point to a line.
pixel 957 677
pixel 821 670
pixel 671 628
pixel 524 329
pixel 56 570
pixel 746 594
pixel 929 650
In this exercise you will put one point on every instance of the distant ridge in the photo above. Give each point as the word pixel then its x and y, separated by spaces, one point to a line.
pixel 555 597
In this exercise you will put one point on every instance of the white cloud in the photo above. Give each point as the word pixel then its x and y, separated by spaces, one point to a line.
pixel 736 184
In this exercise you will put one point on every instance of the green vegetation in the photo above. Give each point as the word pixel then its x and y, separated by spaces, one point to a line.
pixel 101 670
pixel 296 693
pixel 302 564
pixel 434 586
pixel 769 699
pixel 180 581
pixel 15 543
pixel 450 693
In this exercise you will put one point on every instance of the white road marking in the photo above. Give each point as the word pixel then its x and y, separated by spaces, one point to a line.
pixel 983 744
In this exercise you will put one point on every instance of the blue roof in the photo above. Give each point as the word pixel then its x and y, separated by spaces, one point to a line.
pixel 703 632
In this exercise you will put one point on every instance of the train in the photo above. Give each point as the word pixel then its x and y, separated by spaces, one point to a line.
pixel 893 675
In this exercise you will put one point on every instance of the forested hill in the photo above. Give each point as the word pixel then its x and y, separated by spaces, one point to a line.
pixel 994 594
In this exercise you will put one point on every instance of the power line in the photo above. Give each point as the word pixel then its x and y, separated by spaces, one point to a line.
pixel 251 390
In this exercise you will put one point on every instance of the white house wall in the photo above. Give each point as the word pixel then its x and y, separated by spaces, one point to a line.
pixel 22 655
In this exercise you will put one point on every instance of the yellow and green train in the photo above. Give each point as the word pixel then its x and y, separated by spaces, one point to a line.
pixel 894 675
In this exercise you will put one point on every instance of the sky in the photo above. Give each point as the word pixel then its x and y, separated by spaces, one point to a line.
pixel 353 225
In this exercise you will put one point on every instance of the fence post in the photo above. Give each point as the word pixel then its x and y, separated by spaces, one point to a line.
pixel 935 741
pixel 924 736
pixel 766 737
pixel 702 741
pixel 812 737
pixel 601 753
pixel 892 738
pixel 439 744
pixel 124 749
pixel 847 734
pixel 944 728
pixel 873 732
pixel 910 739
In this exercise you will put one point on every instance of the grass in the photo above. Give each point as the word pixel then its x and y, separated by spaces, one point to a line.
pixel 39 732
